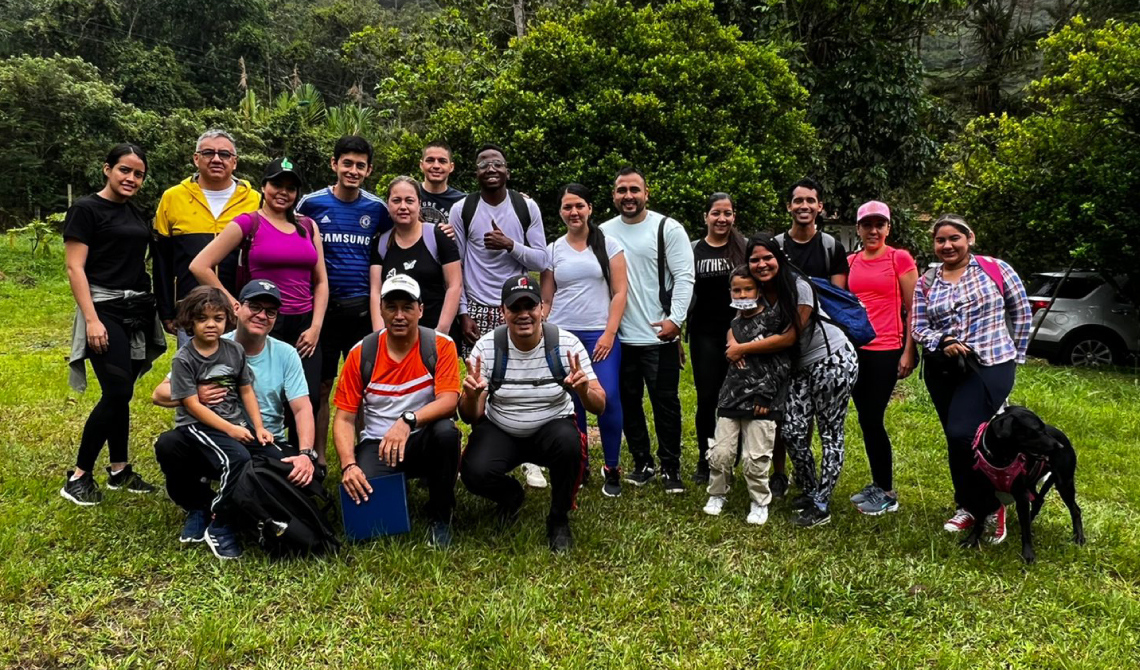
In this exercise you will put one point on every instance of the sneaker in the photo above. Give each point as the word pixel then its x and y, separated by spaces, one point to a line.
pixel 82 491
pixel 757 515
pixel 962 520
pixel 130 479
pixel 508 513
pixel 222 541
pixel 585 476
pixel 671 480
pixel 559 537
pixel 877 502
pixel 612 486
pixel 533 474
pixel 439 535
pixel 715 505
pixel 995 525
pixel 862 495
pixel 194 530
pixel 812 516
pixel 778 484
pixel 701 474
pixel 802 501
pixel 641 475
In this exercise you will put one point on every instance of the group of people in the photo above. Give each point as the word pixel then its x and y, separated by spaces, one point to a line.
pixel 266 293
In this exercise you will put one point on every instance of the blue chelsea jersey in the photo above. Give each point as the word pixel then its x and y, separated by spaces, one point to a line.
pixel 347 229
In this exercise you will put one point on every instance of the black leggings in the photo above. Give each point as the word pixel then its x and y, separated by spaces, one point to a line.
pixel 288 329
pixel 706 354
pixel 878 374
pixel 110 420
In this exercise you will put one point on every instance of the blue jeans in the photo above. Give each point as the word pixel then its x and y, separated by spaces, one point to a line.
pixel 609 421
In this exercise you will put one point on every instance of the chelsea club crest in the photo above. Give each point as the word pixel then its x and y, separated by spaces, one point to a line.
pixel 365 221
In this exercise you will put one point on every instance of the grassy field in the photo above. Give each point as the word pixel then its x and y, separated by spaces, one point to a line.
pixel 652 583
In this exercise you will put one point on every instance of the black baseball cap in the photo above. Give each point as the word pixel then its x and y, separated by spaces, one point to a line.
pixel 282 166
pixel 518 287
pixel 260 288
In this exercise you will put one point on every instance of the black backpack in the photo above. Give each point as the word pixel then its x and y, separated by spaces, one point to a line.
pixel 552 351
pixel 370 346
pixel 518 203
pixel 289 520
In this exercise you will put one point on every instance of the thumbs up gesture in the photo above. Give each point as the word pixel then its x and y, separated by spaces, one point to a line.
pixel 577 379
pixel 497 239
pixel 473 383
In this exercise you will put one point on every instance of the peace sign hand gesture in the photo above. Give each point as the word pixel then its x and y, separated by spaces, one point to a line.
pixel 473 383
pixel 577 379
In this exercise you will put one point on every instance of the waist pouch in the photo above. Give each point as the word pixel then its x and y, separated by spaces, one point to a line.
pixel 351 306
pixel 135 313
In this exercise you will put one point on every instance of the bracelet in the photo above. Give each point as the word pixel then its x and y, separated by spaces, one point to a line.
pixel 344 470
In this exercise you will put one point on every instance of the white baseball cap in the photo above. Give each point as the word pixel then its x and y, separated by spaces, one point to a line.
pixel 400 284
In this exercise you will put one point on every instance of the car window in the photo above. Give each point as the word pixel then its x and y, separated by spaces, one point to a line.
pixel 1074 288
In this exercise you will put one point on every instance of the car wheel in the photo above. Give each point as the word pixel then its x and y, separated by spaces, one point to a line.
pixel 1091 350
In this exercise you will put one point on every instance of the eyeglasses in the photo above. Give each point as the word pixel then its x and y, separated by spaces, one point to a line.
pixel 255 309
pixel 498 165
pixel 209 154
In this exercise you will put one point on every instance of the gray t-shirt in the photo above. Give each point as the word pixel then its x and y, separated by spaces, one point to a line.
pixel 226 367
pixel 816 337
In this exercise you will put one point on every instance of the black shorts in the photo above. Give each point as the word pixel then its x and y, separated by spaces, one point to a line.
pixel 346 323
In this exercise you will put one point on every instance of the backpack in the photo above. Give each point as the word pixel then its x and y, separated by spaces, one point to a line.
pixel 370 346
pixel 243 273
pixel 518 203
pixel 828 245
pixel 843 309
pixel 992 270
pixel 665 295
pixel 290 521
pixel 552 351
pixel 428 234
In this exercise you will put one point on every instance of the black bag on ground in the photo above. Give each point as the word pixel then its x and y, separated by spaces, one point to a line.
pixel 289 521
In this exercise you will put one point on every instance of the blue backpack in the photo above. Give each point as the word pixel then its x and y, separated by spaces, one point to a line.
pixel 844 310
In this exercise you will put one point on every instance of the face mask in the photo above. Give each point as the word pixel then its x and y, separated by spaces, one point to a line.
pixel 744 303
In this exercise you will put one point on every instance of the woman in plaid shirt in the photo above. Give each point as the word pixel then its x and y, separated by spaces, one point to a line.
pixel 972 318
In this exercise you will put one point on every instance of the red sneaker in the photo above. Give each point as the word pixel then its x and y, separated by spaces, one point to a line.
pixel 962 520
pixel 996 524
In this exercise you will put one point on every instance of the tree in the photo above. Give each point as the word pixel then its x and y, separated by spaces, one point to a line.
pixel 671 91
pixel 1059 186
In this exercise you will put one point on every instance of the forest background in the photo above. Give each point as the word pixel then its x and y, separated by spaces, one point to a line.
pixel 1023 115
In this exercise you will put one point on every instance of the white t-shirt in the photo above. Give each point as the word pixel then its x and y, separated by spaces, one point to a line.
pixel 520 409
pixel 582 299
pixel 218 199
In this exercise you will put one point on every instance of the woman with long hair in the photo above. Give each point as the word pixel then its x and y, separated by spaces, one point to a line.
pixel 420 250
pixel 584 291
pixel 972 318
pixel 824 368
pixel 711 314
pixel 106 240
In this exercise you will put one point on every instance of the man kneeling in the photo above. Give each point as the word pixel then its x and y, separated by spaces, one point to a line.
pixel 408 403
pixel 524 412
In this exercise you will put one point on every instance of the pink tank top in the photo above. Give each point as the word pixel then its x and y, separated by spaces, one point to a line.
pixel 286 259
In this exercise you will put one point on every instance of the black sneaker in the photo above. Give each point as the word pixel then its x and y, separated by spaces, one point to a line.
pixel 701 474
pixel 508 513
pixel 641 475
pixel 811 516
pixel 223 542
pixel 129 479
pixel 802 501
pixel 612 486
pixel 194 530
pixel 585 476
pixel 439 535
pixel 778 484
pixel 671 479
pixel 82 491
pixel 559 537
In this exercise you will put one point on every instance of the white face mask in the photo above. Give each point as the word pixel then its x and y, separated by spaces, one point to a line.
pixel 744 303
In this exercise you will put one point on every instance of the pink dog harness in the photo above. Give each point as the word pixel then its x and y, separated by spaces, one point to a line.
pixel 1003 478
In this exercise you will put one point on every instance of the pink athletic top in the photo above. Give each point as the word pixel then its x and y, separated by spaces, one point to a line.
pixel 286 259
pixel 876 283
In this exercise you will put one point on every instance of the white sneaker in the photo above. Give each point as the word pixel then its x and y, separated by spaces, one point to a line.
pixel 715 504
pixel 758 515
pixel 533 474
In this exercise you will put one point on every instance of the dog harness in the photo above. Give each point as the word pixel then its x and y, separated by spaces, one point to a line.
pixel 1003 478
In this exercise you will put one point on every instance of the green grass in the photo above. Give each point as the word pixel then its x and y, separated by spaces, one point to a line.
pixel 653 582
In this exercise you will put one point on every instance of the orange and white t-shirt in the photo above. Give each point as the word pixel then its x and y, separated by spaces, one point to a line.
pixel 396 387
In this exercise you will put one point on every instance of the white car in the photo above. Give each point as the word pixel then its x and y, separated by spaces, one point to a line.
pixel 1092 322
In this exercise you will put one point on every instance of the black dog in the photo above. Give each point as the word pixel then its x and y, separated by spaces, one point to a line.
pixel 1015 451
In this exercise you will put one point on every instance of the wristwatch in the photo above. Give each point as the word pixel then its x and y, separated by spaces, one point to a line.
pixel 410 419
pixel 311 454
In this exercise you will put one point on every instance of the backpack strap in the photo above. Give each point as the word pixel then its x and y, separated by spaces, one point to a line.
pixel 428 233
pixel 369 348
pixel 383 242
pixel 501 352
pixel 828 249
pixel 781 240
pixel 550 341
pixel 993 271
pixel 470 204
pixel 663 294
pixel 428 353
pixel 551 351
pixel 518 202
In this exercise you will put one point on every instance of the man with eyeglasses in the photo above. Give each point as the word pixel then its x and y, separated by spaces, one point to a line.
pixel 192 214
pixel 499 233
pixel 278 380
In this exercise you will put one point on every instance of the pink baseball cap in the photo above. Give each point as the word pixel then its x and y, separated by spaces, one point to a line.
pixel 873 208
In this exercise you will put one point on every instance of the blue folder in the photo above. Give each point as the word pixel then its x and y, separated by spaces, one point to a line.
pixel 384 513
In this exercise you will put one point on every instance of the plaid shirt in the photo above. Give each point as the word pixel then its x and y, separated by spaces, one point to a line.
pixel 974 313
